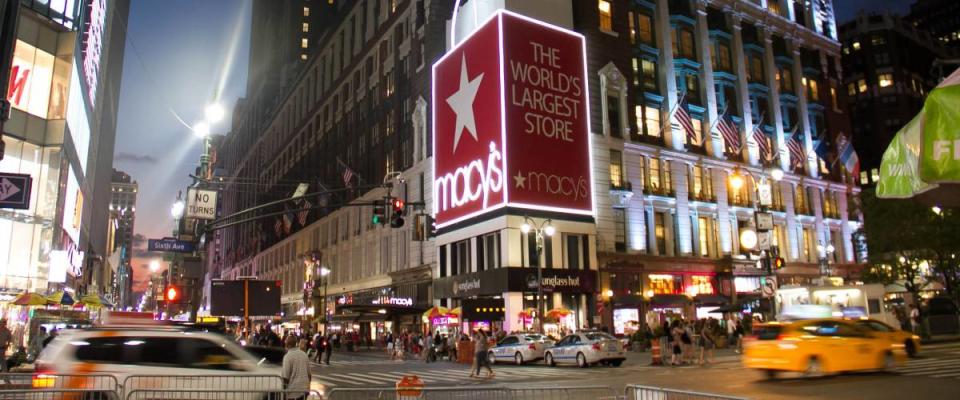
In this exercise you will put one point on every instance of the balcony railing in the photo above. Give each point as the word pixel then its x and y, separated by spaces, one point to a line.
pixel 707 198
pixel 740 202
pixel 658 191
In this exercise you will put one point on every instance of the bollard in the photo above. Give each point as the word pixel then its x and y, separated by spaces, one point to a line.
pixel 409 387
pixel 655 359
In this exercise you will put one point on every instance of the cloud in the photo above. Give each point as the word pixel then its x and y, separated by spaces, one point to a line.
pixel 135 158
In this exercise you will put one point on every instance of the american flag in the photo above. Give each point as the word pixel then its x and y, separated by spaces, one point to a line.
pixel 287 222
pixel 683 117
pixel 795 144
pixel 304 211
pixel 348 177
pixel 762 142
pixel 730 133
pixel 278 227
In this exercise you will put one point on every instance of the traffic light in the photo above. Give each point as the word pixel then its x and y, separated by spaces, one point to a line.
pixel 379 212
pixel 424 227
pixel 779 263
pixel 396 216
pixel 172 294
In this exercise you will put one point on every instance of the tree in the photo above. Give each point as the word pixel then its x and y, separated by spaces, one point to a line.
pixel 902 234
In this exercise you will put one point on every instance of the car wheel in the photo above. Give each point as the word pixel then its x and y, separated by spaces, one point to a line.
pixel 910 348
pixel 889 362
pixel 518 358
pixel 814 368
pixel 616 363
pixel 771 373
pixel 492 358
pixel 549 360
pixel 582 360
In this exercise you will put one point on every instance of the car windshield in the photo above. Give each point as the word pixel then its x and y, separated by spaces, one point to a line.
pixel 599 336
pixel 768 332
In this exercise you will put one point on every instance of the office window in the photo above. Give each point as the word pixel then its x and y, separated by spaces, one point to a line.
pixel 606 15
pixel 645 28
pixel 616 169
pixel 667 185
pixel 885 80
pixel 647 74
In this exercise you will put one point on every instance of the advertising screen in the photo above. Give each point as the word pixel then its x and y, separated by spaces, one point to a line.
pixel 511 121
pixel 72 207
pixel 31 75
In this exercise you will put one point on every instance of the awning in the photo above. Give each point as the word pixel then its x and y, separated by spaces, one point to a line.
pixel 710 299
pixel 670 300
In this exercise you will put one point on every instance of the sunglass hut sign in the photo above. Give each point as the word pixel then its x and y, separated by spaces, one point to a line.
pixel 511 122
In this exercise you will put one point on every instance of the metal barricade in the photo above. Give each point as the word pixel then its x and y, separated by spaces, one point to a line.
pixel 91 382
pixel 56 394
pixel 187 394
pixel 476 393
pixel 203 382
pixel 640 392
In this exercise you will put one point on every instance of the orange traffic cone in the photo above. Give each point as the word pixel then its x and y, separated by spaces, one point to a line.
pixel 655 352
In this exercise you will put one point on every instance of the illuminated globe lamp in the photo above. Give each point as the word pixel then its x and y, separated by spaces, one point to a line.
pixel 736 180
pixel 748 239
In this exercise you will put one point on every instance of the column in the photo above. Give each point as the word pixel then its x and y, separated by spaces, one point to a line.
pixel 723 210
pixel 786 189
pixel 513 304
pixel 774 116
pixel 651 231
pixel 679 175
pixel 845 230
pixel 711 134
pixel 816 202
pixel 673 137
pixel 695 233
pixel 802 112
pixel 636 218
pixel 743 94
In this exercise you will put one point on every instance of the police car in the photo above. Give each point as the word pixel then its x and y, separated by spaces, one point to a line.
pixel 586 348
pixel 519 348
pixel 140 357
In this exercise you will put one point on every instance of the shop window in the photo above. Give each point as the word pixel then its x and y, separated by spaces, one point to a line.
pixel 33 87
pixel 665 283
pixel 606 15
pixel 625 283
pixel 700 284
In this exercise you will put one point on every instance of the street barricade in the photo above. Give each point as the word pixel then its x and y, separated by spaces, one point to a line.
pixel 639 392
pixel 56 394
pixel 200 394
pixel 91 382
pixel 203 382
pixel 477 393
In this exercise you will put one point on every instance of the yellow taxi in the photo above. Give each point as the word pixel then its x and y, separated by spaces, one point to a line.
pixel 818 346
pixel 909 342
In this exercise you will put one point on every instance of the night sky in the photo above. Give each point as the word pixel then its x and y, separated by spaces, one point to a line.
pixel 177 58
pixel 183 46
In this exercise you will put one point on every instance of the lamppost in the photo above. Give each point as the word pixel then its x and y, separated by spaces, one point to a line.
pixel 736 182
pixel 824 253
pixel 324 273
pixel 544 228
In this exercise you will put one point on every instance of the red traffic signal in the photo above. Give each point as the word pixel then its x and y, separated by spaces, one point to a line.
pixel 397 205
pixel 172 294
pixel 779 263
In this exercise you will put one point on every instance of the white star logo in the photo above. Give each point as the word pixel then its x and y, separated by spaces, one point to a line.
pixel 520 180
pixel 462 103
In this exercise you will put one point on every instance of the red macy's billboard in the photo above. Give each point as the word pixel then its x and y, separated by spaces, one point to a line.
pixel 511 122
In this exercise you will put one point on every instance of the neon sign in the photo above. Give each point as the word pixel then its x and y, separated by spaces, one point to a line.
pixel 93 45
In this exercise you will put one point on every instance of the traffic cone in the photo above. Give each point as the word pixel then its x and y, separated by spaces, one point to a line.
pixel 655 352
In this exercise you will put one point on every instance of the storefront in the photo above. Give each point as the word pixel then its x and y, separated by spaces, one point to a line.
pixel 569 293
pixel 375 312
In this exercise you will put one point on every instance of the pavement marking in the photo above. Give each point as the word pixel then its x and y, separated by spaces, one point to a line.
pixel 356 378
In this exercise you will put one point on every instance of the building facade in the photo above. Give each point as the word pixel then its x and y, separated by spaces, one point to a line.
pixel 123 205
pixel 64 89
pixel 664 235
pixel 940 18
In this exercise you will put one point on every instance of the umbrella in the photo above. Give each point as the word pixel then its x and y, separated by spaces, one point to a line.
pixel 30 299
pixel 528 312
pixel 435 311
pixel 558 313
pixel 95 301
pixel 60 298
pixel 456 311
pixel 917 163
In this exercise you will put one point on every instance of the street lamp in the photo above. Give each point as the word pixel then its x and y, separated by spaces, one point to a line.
pixel 214 113
pixel 201 129
pixel 824 253
pixel 154 266
pixel 176 210
pixel 545 228
pixel 324 272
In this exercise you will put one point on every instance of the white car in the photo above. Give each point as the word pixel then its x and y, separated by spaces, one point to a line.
pixel 519 348
pixel 585 349
pixel 139 357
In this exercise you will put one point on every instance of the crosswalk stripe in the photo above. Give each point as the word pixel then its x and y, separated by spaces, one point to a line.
pixel 950 375
pixel 357 378
pixel 342 381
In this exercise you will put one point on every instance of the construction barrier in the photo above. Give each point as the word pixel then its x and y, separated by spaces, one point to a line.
pixel 639 392
pixel 656 357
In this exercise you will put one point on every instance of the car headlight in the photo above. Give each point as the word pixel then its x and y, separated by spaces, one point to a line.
pixel 915 337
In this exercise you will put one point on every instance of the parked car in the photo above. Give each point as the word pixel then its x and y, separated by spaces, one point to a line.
pixel 199 360
pixel 519 348
pixel 585 349
pixel 898 338
pixel 818 346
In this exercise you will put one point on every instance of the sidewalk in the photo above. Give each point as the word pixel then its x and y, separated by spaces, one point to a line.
pixel 644 358
pixel 941 339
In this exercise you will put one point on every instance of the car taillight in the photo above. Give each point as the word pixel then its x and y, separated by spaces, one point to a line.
pixel 43 381
pixel 596 346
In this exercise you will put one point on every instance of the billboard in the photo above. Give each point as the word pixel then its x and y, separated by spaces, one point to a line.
pixel 511 121
pixel 226 298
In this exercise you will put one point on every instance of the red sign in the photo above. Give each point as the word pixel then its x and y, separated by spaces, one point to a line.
pixel 511 121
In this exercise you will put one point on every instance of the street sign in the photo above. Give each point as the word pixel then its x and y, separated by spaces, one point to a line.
pixel 769 286
pixel 15 191
pixel 766 193
pixel 201 204
pixel 170 245
pixel 763 240
pixel 764 221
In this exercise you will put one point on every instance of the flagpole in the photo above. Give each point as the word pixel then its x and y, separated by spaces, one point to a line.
pixel 713 124
pixel 665 122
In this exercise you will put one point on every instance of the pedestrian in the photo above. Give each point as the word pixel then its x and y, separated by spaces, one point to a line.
pixel 327 352
pixel 686 337
pixel 480 353
pixel 676 339
pixel 296 370
pixel 707 343
pixel 915 318
pixel 6 337
pixel 738 333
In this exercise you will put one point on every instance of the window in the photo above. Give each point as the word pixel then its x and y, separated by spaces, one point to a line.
pixel 306 27
pixel 204 354
pixel 303 43
pixel 862 85
pixel 813 93
pixel 683 45
pixel 33 87
pixel 653 174
pixel 808 244
pixel 665 283
pixel 885 80
pixel 306 11
pixel 649 121
pixel 632 27
pixel 881 58
pixel 720 55
pixel 606 15
pixel 110 350
pixel 660 233
pixel 785 79
pixel 613 115
pixel 159 352
pixel 877 40
pixel 645 28
pixel 856 45
pixel 703 234
pixel 851 89
pixel 573 251
pixel 616 169
pixel 645 74
pixel 620 228
pixel 755 70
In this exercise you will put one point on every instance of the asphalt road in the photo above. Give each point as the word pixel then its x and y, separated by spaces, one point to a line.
pixel 933 375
